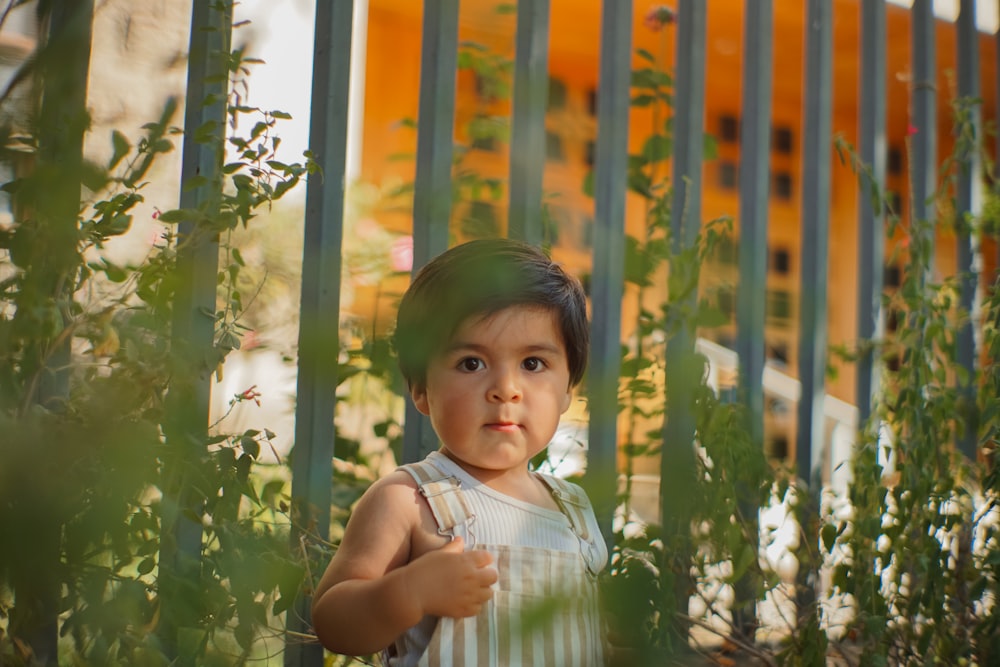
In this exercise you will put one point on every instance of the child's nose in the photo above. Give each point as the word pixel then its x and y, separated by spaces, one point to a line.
pixel 505 387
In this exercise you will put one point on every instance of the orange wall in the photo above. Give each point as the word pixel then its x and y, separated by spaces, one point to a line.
pixel 392 84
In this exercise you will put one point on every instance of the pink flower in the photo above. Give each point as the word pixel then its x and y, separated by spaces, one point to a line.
pixel 401 254
pixel 250 394
pixel 911 130
pixel 657 17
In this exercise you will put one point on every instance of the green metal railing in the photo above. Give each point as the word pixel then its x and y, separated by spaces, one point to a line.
pixel 318 342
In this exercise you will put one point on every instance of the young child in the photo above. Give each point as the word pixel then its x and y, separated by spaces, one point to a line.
pixel 469 557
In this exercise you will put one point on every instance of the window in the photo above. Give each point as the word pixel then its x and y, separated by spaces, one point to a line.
pixel 781 185
pixel 728 175
pixel 729 129
pixel 893 276
pixel 780 261
pixel 592 102
pixel 590 152
pixel 725 250
pixel 482 133
pixel 557 94
pixel 892 363
pixel 554 147
pixel 725 299
pixel 893 203
pixel 894 161
pixel 776 351
pixel 892 320
pixel 779 307
pixel 782 140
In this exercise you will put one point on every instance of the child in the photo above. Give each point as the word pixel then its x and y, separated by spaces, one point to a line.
pixel 468 557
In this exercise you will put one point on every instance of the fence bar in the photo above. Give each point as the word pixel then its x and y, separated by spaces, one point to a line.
pixel 527 145
pixel 432 187
pixel 967 200
pixel 815 233
pixel 755 156
pixel 34 570
pixel 320 303
pixel 611 153
pixel 684 371
pixel 871 232
pixel 193 328
pixel 923 102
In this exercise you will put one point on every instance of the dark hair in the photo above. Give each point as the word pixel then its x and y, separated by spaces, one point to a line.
pixel 481 278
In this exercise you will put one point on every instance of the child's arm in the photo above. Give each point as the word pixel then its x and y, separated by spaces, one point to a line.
pixel 391 570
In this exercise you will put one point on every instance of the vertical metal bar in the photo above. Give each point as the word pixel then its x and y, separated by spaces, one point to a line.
pixel 609 254
pixel 755 158
pixel 432 189
pixel 967 203
pixel 193 329
pixel 871 233
pixel 755 153
pixel 813 295
pixel 34 573
pixel 319 329
pixel 689 121
pixel 923 102
pixel 677 463
pixel 527 145
pixel 815 233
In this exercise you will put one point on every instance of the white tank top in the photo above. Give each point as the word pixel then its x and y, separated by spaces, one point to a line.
pixel 542 556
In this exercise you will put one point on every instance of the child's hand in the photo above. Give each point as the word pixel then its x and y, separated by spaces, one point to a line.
pixel 453 582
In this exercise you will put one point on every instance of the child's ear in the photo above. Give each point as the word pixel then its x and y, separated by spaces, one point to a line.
pixel 567 400
pixel 418 392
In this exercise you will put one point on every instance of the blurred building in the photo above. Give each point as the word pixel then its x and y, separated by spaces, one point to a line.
pixel 18 38
pixel 392 76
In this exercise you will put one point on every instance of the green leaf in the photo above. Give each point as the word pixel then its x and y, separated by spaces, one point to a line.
pixel 251 446
pixel 649 78
pixel 829 536
pixel 657 148
pixel 195 182
pixel 643 100
pixel 178 215
pixel 646 55
pixel 120 148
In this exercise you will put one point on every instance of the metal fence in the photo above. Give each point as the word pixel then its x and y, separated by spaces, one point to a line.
pixel 432 200
pixel 317 366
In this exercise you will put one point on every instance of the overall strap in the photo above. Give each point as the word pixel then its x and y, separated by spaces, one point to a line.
pixel 572 501
pixel 444 496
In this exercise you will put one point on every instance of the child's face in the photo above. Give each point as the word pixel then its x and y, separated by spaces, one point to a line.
pixel 495 393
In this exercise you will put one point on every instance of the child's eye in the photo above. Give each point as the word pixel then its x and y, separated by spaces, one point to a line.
pixel 533 364
pixel 470 364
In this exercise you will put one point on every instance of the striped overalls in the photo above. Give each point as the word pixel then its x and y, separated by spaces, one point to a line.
pixel 544 609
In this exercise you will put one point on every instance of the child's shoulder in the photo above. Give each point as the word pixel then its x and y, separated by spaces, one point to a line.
pixel 566 490
pixel 396 488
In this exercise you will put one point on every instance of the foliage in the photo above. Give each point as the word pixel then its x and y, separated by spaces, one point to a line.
pixel 652 565
pixel 920 537
pixel 88 362
pixel 910 553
